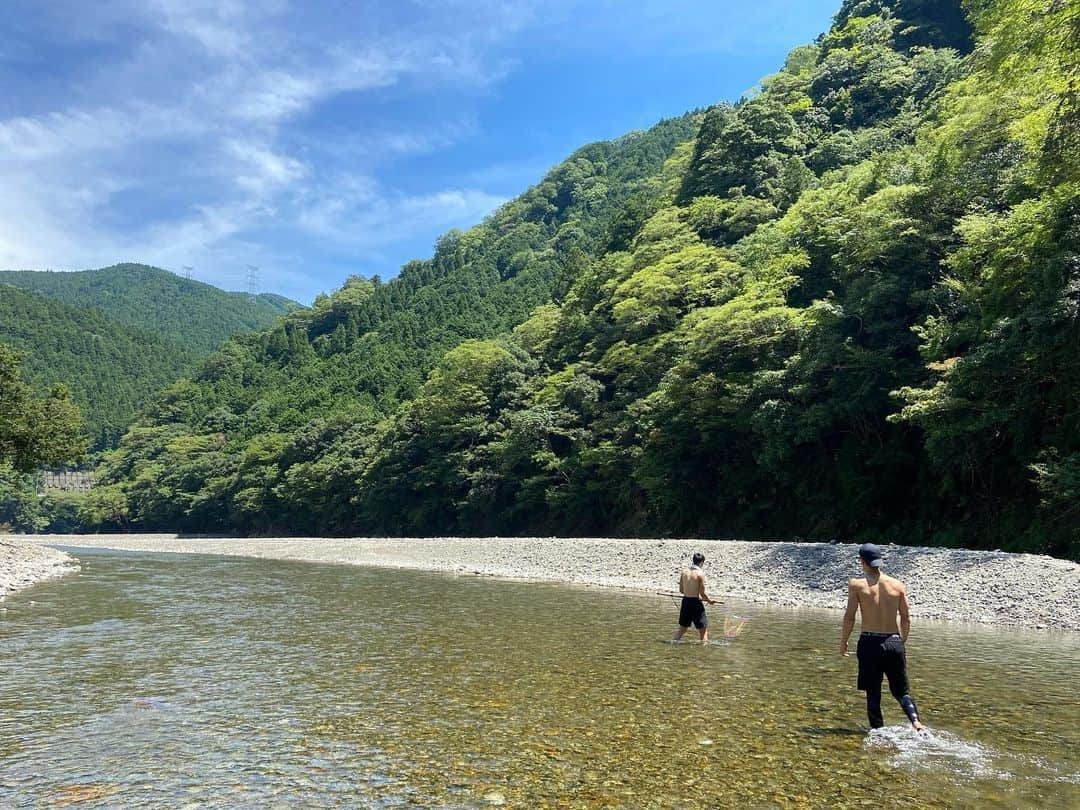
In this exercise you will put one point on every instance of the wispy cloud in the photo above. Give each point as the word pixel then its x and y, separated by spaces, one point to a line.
pixel 199 124
pixel 362 217
pixel 300 136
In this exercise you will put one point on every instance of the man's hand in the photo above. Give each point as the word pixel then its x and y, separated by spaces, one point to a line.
pixel 849 615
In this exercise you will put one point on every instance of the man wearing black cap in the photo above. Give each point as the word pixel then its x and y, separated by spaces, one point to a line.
pixel 879 598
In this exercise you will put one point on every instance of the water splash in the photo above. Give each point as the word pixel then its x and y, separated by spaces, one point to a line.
pixel 935 750
pixel 1052 772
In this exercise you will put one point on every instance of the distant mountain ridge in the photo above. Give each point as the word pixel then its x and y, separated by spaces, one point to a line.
pixel 111 368
pixel 116 335
pixel 190 313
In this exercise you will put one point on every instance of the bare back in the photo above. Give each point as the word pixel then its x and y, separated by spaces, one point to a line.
pixel 880 603
pixel 691 583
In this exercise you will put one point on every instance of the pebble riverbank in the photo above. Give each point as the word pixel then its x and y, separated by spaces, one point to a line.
pixel 22 564
pixel 987 587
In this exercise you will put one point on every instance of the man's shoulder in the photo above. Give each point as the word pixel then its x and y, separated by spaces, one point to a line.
pixel 856 584
pixel 896 584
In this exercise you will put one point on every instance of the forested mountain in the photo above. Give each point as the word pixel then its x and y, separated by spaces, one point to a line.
pixel 370 345
pixel 848 306
pixel 192 314
pixel 111 369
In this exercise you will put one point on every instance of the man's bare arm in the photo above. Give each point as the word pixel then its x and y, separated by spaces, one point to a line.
pixel 849 617
pixel 905 615
pixel 701 586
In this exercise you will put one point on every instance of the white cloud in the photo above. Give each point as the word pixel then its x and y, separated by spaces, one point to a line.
pixel 359 216
pixel 217 25
pixel 221 132
pixel 63 134
pixel 261 170
pixel 188 137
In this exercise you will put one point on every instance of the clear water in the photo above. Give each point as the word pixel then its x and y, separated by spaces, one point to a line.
pixel 173 681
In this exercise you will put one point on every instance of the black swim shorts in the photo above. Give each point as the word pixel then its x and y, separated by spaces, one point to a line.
pixel 882 654
pixel 692 611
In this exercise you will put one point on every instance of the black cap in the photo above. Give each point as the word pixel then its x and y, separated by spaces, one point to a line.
pixel 870 554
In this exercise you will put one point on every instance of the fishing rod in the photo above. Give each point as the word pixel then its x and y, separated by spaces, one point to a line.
pixel 675 595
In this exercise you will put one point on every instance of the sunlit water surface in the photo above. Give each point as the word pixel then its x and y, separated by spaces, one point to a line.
pixel 173 681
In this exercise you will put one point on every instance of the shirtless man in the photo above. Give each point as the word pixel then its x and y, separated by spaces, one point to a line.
pixel 692 610
pixel 879 598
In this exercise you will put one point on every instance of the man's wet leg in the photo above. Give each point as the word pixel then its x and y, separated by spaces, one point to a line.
pixel 873 706
pixel 701 622
pixel 906 703
pixel 898 685
pixel 912 713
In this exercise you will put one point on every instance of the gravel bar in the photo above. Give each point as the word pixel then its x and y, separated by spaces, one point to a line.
pixel 22 564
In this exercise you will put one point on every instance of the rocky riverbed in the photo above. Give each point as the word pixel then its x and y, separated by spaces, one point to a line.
pixel 22 564
pixel 988 587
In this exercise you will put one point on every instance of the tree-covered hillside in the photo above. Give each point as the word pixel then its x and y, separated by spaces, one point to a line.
pixel 110 369
pixel 848 306
pixel 370 344
pixel 192 314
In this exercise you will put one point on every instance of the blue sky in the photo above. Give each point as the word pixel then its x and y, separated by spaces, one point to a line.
pixel 324 138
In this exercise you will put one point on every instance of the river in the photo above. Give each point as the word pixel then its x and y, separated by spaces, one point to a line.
pixel 174 681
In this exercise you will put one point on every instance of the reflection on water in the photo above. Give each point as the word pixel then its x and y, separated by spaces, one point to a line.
pixel 174 681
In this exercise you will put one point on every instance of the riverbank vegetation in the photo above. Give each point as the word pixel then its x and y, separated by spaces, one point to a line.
pixel 35 431
pixel 847 306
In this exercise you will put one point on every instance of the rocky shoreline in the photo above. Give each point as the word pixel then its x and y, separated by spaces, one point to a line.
pixel 22 564
pixel 986 587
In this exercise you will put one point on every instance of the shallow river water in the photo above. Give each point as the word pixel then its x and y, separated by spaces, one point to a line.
pixel 176 681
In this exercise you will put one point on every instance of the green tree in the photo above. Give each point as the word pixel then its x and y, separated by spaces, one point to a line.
pixel 35 431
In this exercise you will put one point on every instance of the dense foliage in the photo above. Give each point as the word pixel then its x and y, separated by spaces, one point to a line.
pixel 34 431
pixel 355 355
pixel 118 335
pixel 111 369
pixel 193 315
pixel 849 306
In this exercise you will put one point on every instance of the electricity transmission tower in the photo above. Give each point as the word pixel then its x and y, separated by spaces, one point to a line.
pixel 252 280
pixel 187 268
